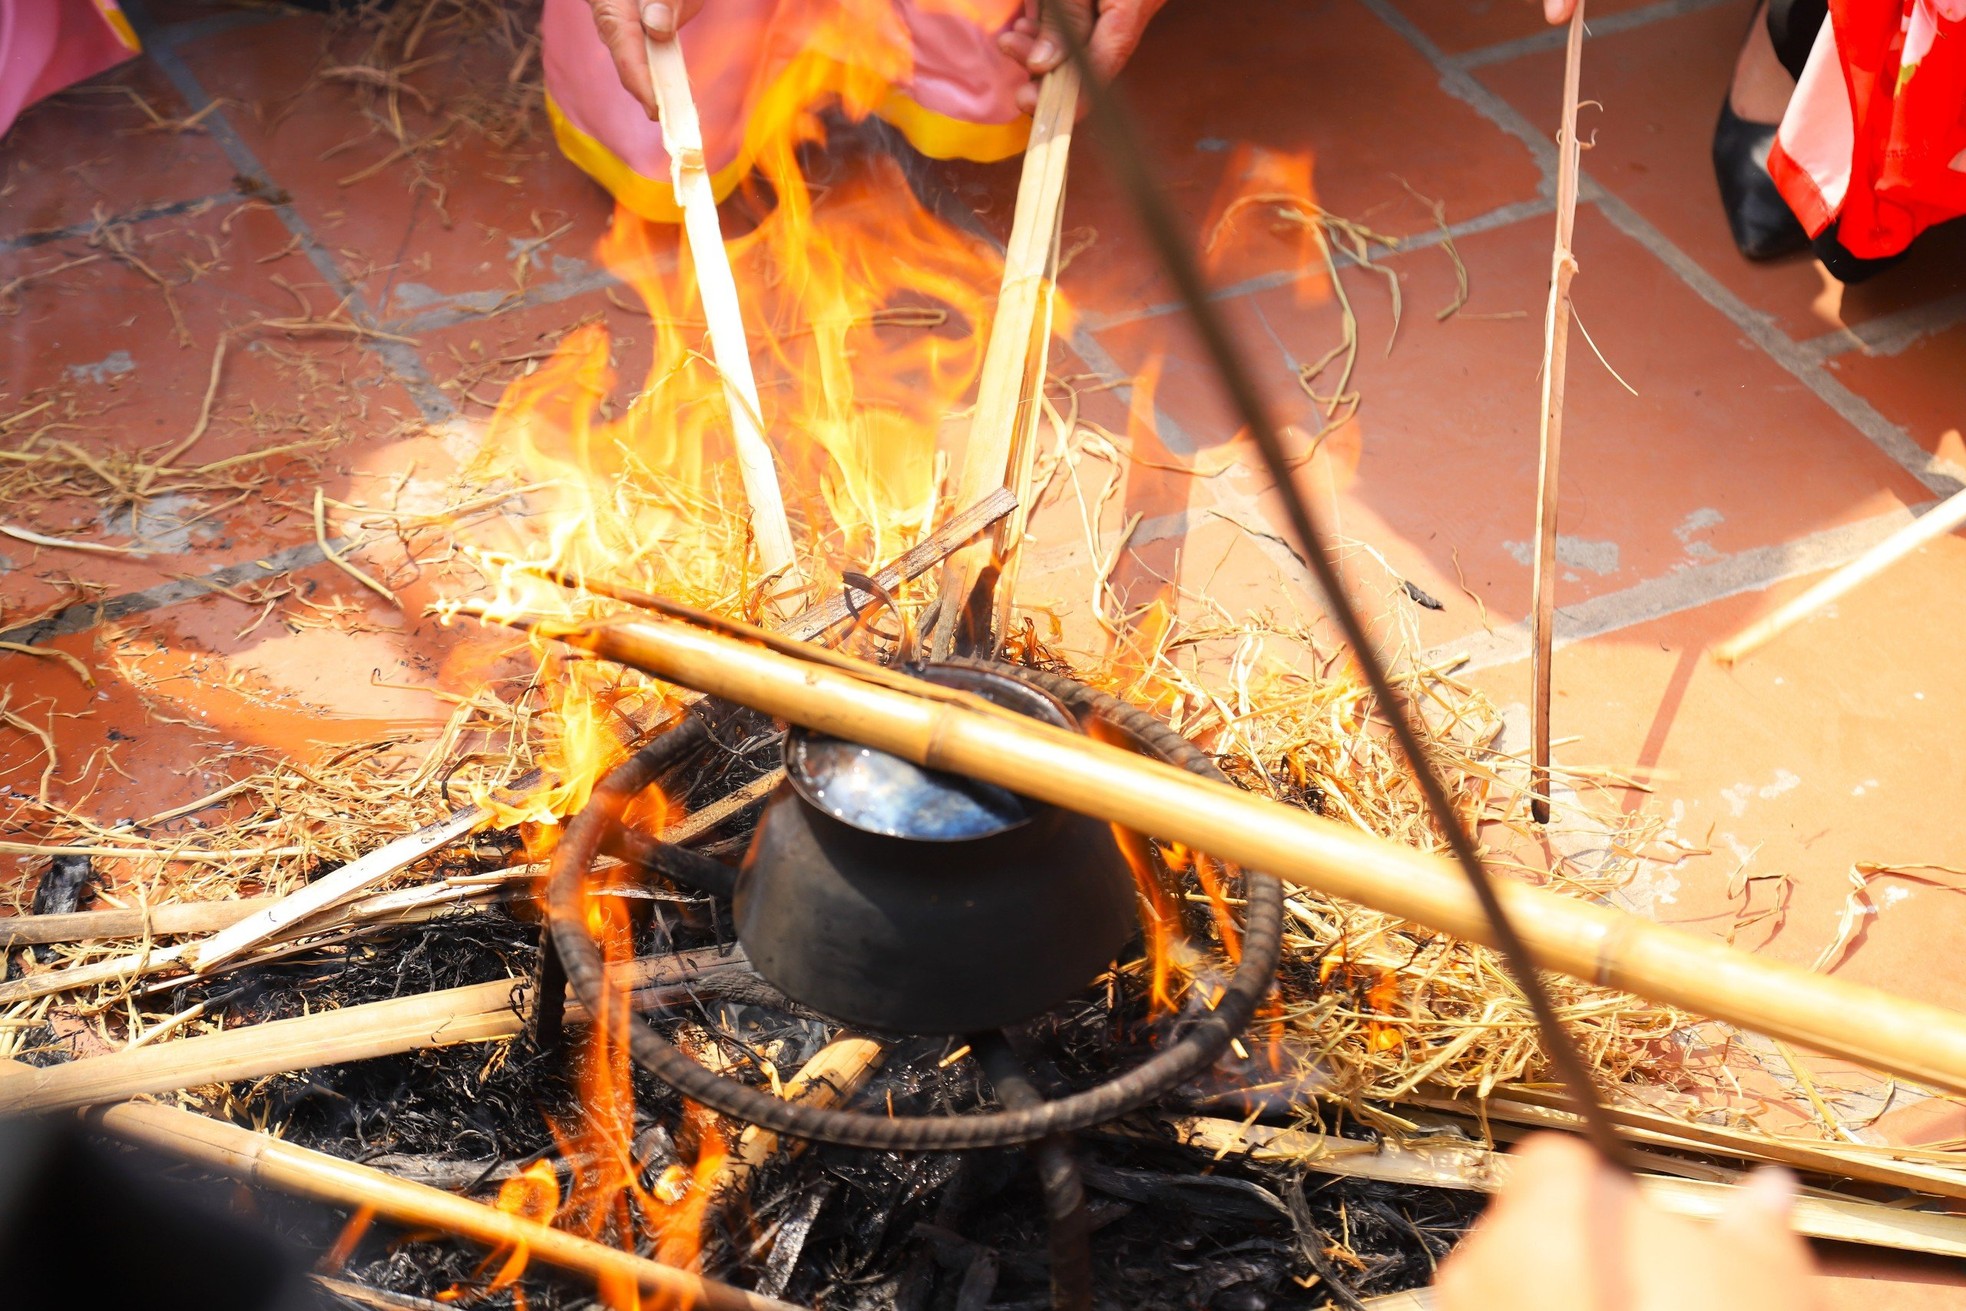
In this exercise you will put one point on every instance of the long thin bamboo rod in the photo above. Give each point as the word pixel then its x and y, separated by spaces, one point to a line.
pixel 1596 943
pixel 480 1012
pixel 1538 1109
pixel 1476 1168
pixel 261 1159
pixel 682 135
pixel 1928 527
pixel 993 453
pixel 1556 341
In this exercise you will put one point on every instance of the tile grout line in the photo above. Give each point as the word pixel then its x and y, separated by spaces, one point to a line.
pixel 1499 217
pixel 1552 38
pixel 1888 334
pixel 1681 590
pixel 85 615
pixel 400 359
pixel 1939 476
pixel 144 214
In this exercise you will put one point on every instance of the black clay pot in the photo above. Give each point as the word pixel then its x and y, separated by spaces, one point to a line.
pixel 902 899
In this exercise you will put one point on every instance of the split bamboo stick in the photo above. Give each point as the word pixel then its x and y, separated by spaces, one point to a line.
pixel 1599 944
pixel 1471 1166
pixel 1538 1109
pixel 1000 445
pixel 1556 340
pixel 266 1161
pixel 480 1012
pixel 835 1072
pixel 336 885
pixel 170 920
pixel 1928 527
pixel 682 135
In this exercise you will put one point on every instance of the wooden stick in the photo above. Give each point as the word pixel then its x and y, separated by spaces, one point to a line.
pixel 813 623
pixel 1556 339
pixel 172 919
pixel 481 1012
pixel 336 886
pixel 1533 1107
pixel 1024 443
pixel 1599 944
pixel 835 1072
pixel 1935 523
pixel 682 135
pixel 994 456
pixel 1413 1299
pixel 1473 1167
pixel 263 1160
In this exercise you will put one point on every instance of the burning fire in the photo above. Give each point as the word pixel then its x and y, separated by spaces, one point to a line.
pixel 867 317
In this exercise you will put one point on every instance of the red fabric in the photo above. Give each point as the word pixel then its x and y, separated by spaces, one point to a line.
pixel 1904 69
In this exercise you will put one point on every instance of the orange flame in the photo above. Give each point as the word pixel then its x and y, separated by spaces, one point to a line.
pixel 532 1194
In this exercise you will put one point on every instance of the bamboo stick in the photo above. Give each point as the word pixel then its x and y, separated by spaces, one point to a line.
pixel 999 448
pixel 1473 1167
pixel 1413 1299
pixel 481 1012
pixel 1556 340
pixel 682 135
pixel 170 920
pixel 1599 944
pixel 1538 1109
pixel 336 885
pixel 263 1160
pixel 1935 523
pixel 835 1072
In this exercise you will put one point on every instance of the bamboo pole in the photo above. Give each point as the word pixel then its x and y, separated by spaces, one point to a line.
pixel 266 1161
pixel 1476 1168
pixel 947 730
pixel 1935 523
pixel 999 448
pixel 480 1012
pixel 682 135
pixel 1556 341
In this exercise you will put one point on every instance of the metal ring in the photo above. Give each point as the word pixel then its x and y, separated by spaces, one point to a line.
pixel 1194 1050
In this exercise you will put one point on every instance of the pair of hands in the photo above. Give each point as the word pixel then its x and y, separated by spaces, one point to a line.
pixel 1113 29
pixel 1570 1233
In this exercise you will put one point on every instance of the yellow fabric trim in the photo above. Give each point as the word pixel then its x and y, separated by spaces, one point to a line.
pixel 120 22
pixel 941 137
pixel 654 201
pixel 936 135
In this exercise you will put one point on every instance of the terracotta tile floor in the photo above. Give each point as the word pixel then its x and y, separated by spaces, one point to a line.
pixel 1778 425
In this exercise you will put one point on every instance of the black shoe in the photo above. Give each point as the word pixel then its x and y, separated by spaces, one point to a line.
pixel 1792 28
pixel 1846 268
pixel 1762 223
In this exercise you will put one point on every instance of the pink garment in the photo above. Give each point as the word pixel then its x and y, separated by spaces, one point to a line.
pixel 940 55
pixel 46 45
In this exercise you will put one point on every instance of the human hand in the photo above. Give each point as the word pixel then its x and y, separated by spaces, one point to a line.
pixel 1570 1233
pixel 622 25
pixel 1559 11
pixel 1115 30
